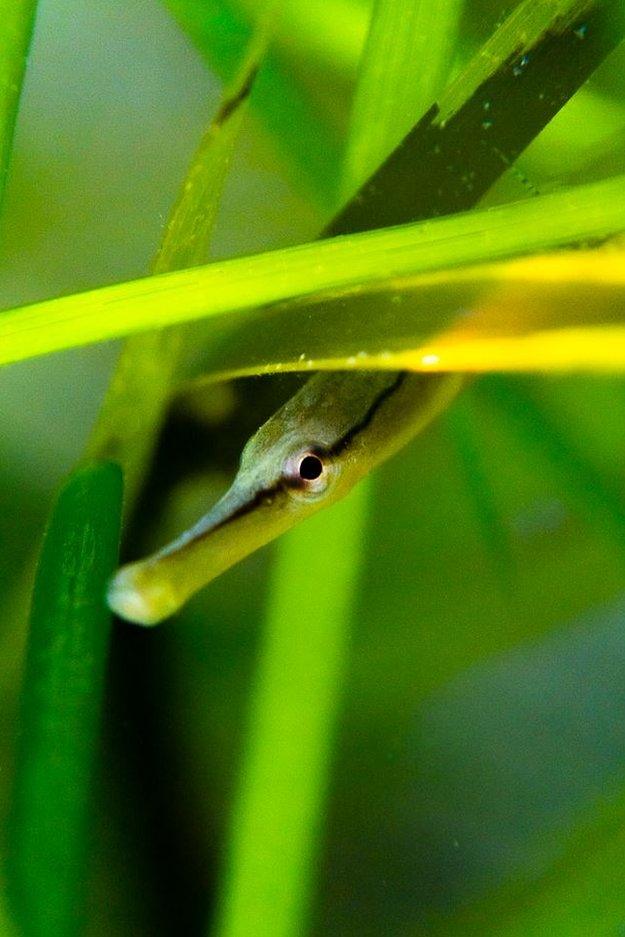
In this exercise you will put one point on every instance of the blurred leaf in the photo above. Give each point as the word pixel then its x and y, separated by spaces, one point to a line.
pixel 583 892
pixel 17 17
pixel 218 28
pixel 391 260
pixel 7 928
pixel 405 66
pixel 134 407
pixel 536 432
pixel 495 107
pixel 61 702
pixel 278 810
pixel 461 424
pixel 275 827
pixel 582 137
pixel 329 33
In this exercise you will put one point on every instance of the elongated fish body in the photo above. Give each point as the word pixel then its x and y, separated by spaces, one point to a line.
pixel 309 454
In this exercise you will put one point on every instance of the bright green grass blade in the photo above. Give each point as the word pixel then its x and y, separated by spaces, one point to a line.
pixel 405 66
pixel 377 196
pixel 280 802
pixel 342 265
pixel 276 821
pixel 218 28
pixel 61 703
pixel 17 18
pixel 127 428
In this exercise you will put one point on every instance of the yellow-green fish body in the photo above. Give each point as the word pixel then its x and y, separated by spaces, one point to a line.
pixel 338 427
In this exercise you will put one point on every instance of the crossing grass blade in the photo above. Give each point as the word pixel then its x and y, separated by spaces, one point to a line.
pixel 61 704
pixel 405 66
pixel 497 105
pixel 218 28
pixel 141 387
pixel 538 35
pixel 278 811
pixel 387 261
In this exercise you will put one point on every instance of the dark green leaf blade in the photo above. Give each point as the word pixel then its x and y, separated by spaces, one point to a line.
pixel 61 703
pixel 487 117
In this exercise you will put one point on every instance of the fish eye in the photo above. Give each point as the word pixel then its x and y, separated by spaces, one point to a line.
pixel 308 472
pixel 310 468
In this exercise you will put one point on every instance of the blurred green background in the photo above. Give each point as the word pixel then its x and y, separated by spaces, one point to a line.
pixel 481 720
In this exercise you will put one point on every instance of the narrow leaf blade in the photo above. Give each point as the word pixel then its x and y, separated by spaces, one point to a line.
pixel 61 703
pixel 17 17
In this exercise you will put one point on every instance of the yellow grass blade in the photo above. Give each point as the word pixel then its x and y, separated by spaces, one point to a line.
pixel 391 260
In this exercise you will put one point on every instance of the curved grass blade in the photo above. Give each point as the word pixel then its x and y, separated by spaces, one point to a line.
pixel 560 314
pixel 135 404
pixel 219 29
pixel 389 259
pixel 17 17
pixel 61 704
pixel 278 811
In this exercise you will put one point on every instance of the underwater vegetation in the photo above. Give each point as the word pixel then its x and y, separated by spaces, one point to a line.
pixel 329 295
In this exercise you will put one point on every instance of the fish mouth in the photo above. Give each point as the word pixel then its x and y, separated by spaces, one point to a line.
pixel 148 591
pixel 235 505
pixel 140 599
